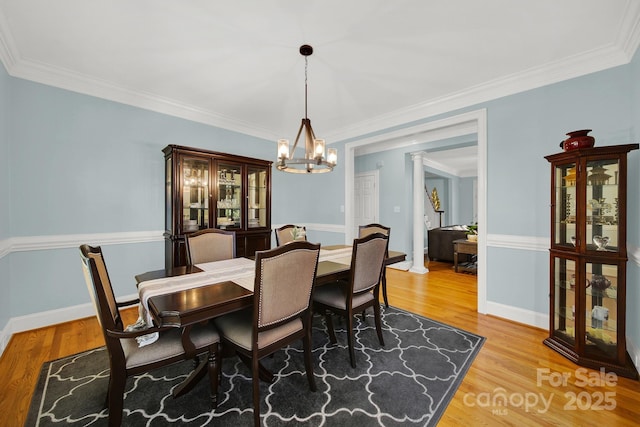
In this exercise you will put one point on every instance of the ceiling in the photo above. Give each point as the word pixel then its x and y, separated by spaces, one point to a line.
pixel 376 63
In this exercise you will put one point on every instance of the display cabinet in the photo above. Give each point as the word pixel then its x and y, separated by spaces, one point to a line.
pixel 206 189
pixel 588 257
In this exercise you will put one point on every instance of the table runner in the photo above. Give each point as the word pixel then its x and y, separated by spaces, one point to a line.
pixel 238 270
pixel 214 272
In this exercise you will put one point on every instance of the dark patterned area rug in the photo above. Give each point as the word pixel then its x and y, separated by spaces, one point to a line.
pixel 410 381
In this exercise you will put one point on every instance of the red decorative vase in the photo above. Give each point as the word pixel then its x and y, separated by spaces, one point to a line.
pixel 578 139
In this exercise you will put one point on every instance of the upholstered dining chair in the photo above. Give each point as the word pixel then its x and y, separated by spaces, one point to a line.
pixel 362 290
pixel 126 357
pixel 281 311
pixel 364 231
pixel 289 233
pixel 210 245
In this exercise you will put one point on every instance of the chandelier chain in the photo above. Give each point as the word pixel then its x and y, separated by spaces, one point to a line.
pixel 306 66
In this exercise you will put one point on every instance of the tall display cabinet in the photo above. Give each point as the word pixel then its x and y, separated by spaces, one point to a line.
pixel 588 257
pixel 206 189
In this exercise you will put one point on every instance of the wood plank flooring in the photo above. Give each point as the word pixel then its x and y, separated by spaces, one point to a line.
pixel 513 368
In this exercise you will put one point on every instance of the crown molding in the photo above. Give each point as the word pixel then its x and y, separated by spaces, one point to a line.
pixel 554 72
pixel 618 53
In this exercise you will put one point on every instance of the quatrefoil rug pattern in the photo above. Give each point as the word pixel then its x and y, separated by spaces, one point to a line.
pixel 409 381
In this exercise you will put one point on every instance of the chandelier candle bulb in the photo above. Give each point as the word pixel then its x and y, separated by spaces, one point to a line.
pixel 283 149
pixel 332 156
pixel 319 148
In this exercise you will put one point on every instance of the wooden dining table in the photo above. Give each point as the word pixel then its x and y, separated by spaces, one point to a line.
pixel 187 307
pixel 190 306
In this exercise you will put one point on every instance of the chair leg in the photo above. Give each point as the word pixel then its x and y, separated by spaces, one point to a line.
pixel 384 287
pixel 308 363
pixel 116 399
pixel 330 330
pixel 214 374
pixel 376 314
pixel 352 354
pixel 255 380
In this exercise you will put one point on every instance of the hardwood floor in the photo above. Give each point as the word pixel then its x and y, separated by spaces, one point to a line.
pixel 513 364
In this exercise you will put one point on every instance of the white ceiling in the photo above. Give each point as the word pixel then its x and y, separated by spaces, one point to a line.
pixel 377 63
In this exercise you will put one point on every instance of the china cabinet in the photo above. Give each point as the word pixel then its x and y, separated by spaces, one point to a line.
pixel 205 189
pixel 588 257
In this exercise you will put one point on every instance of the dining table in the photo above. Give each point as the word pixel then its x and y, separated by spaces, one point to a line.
pixel 184 296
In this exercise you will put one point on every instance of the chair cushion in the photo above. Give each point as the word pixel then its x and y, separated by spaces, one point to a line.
pixel 334 295
pixel 237 327
pixel 169 345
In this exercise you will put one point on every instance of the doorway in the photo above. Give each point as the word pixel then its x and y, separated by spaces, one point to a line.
pixel 474 122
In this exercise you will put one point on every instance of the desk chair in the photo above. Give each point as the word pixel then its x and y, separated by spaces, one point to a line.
pixel 126 358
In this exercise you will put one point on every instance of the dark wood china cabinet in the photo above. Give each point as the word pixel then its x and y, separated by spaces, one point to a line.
pixel 206 189
pixel 588 257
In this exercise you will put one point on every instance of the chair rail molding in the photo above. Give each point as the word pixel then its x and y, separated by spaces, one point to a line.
pixel 37 243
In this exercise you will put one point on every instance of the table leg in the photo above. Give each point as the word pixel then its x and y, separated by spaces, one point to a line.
pixel 455 257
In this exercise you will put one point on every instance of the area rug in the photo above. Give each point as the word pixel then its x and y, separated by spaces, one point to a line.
pixel 409 381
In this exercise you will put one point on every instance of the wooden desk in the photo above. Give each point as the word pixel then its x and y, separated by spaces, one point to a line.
pixel 463 246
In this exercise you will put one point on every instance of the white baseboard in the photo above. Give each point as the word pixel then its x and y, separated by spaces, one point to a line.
pixel 48 318
pixel 634 353
pixel 520 315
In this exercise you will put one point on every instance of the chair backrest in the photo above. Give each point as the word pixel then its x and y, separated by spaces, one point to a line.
pixel 100 290
pixel 367 261
pixel 365 230
pixel 289 233
pixel 284 282
pixel 210 245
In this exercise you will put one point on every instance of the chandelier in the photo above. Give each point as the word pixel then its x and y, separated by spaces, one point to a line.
pixel 314 160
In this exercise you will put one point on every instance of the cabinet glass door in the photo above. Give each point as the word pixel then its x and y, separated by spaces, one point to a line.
pixel 229 207
pixel 565 205
pixel 195 194
pixel 257 198
pixel 602 205
pixel 564 312
pixel 601 308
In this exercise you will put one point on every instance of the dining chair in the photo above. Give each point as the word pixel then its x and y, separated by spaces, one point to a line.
pixel 365 230
pixel 281 311
pixel 210 245
pixel 289 233
pixel 361 291
pixel 126 357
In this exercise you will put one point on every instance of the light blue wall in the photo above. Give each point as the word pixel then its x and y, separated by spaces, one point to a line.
pixel 84 165
pixel 466 202
pixel 522 129
pixel 633 209
pixel 5 185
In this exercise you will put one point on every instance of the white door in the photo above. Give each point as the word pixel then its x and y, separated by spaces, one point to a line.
pixel 366 197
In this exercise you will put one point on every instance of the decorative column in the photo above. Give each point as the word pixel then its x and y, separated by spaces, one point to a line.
pixel 418 214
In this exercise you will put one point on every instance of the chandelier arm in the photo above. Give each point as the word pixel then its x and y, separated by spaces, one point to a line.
pixel 295 143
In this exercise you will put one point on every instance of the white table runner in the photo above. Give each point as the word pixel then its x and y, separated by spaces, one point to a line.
pixel 238 270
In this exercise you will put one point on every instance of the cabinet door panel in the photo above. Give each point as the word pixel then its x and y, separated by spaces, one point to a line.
pixel 195 174
pixel 229 196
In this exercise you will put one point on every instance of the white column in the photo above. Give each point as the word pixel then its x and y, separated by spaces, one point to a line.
pixel 418 214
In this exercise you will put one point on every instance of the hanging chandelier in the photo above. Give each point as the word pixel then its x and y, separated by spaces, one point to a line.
pixel 314 160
